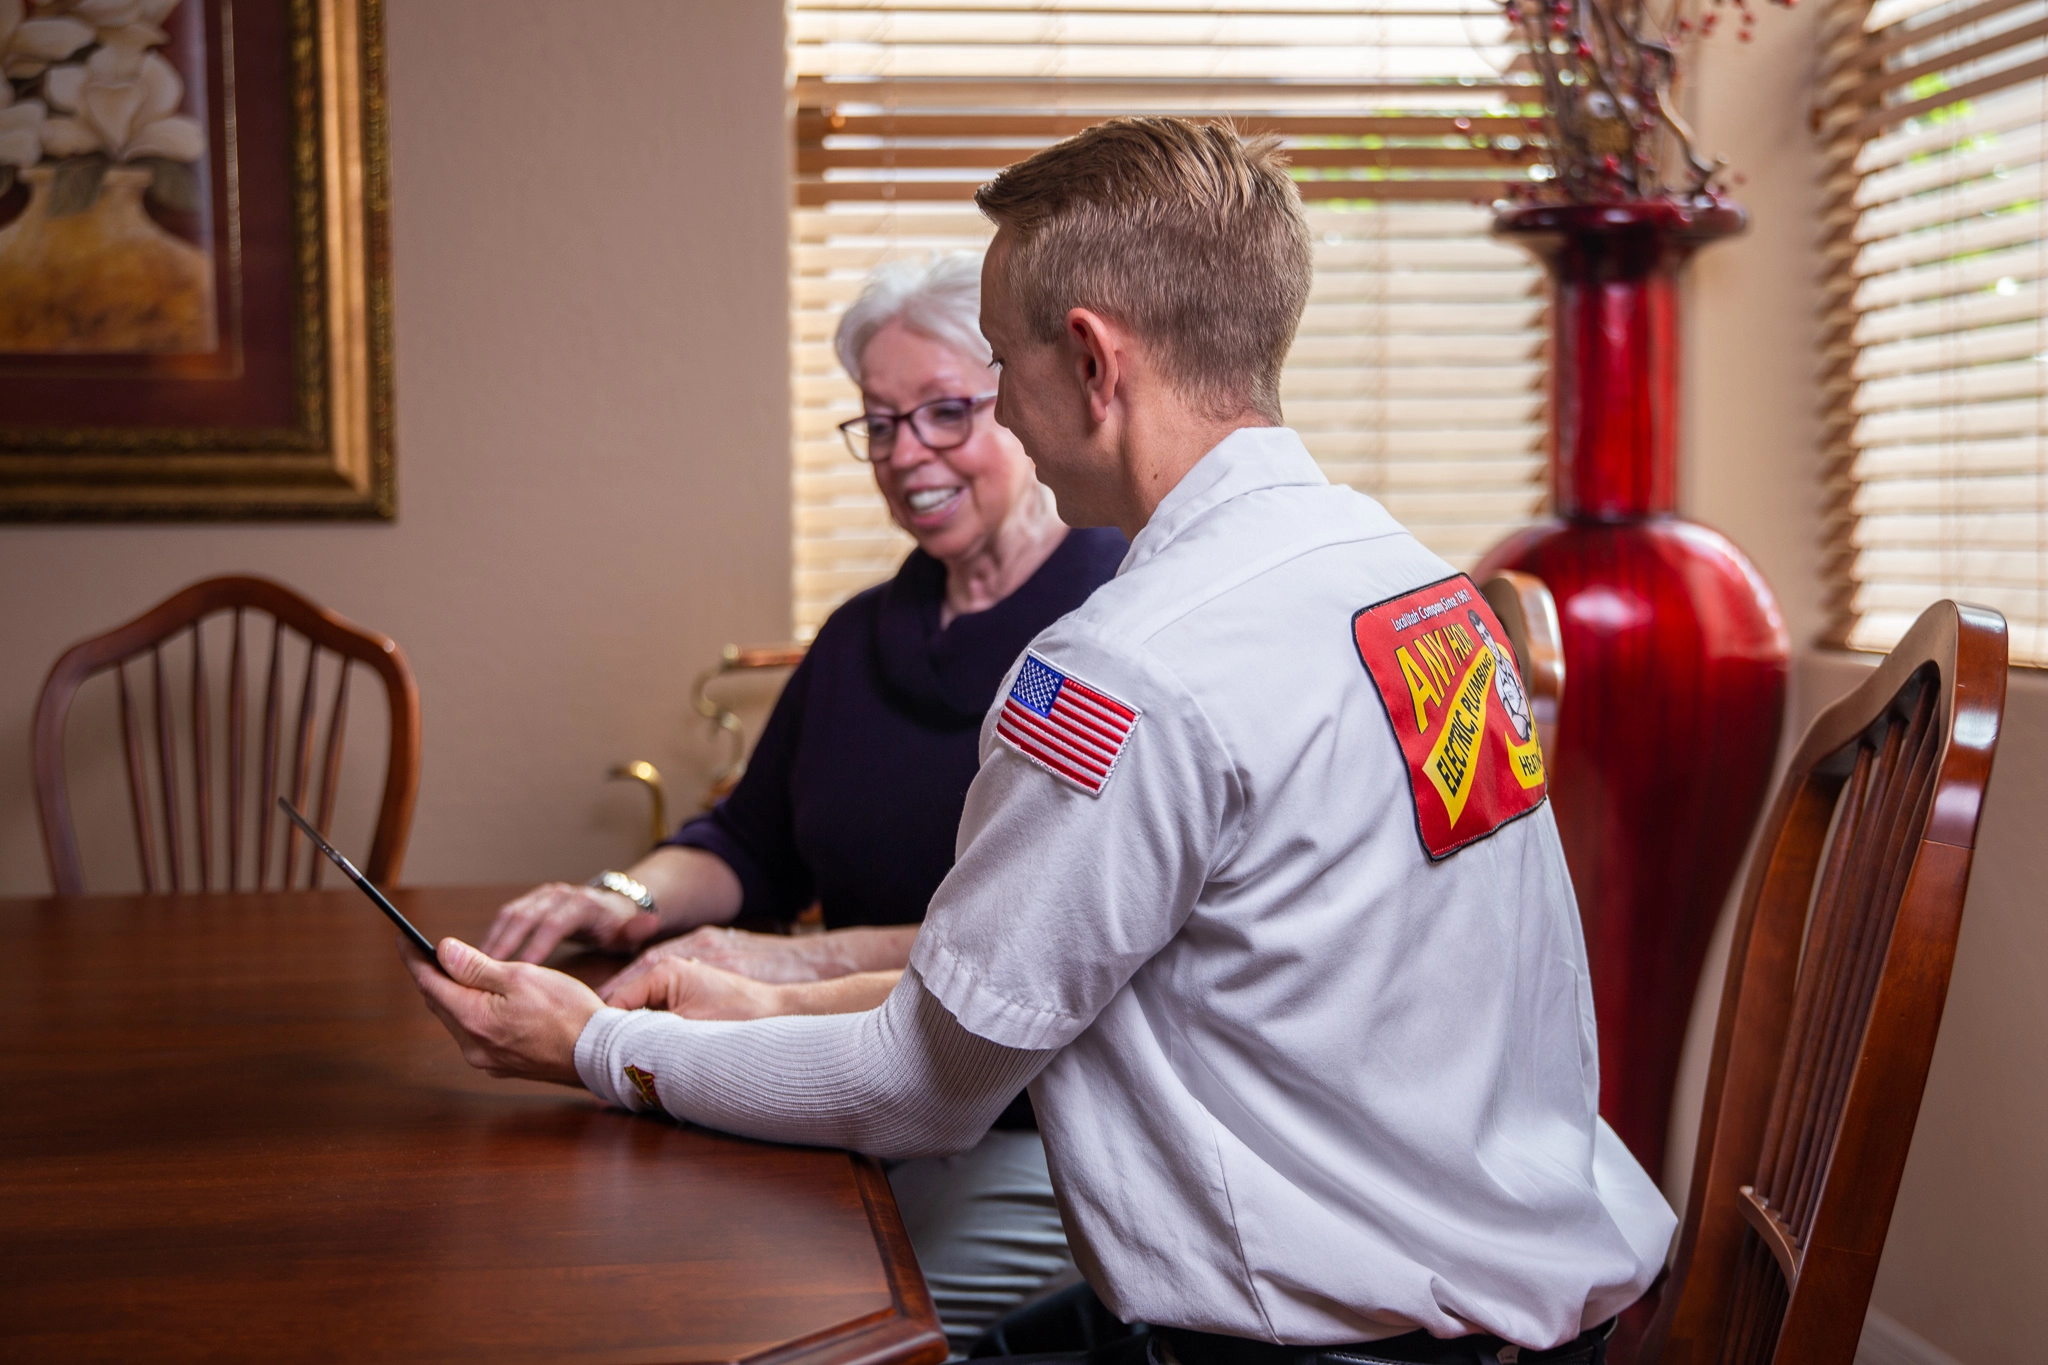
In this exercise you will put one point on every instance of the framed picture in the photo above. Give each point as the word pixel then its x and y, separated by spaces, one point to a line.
pixel 195 298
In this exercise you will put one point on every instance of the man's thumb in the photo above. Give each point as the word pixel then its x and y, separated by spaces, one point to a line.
pixel 471 967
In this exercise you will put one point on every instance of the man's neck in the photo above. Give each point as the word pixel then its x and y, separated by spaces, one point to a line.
pixel 1160 447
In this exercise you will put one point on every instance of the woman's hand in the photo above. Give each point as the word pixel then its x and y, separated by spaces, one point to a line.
pixel 692 989
pixel 528 929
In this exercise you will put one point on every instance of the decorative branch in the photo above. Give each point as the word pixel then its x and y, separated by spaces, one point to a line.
pixel 1608 70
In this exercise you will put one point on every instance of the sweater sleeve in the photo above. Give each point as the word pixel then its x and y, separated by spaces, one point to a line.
pixel 753 831
pixel 900 1080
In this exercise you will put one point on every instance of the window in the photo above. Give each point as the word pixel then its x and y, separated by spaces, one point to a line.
pixel 1418 376
pixel 1935 119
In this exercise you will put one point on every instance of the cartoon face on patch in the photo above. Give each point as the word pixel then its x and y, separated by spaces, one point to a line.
pixel 1507 683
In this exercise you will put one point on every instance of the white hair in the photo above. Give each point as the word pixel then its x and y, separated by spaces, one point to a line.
pixel 938 297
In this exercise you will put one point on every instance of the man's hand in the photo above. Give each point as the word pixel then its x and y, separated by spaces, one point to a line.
pixel 692 989
pixel 533 926
pixel 509 1018
pixel 764 957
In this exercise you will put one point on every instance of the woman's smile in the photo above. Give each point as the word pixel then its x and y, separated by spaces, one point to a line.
pixel 932 506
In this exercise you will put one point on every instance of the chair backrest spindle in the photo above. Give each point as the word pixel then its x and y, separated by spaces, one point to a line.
pixel 237 722
pixel 202 750
pixel 330 770
pixel 159 802
pixel 138 782
pixel 166 767
pixel 266 792
pixel 302 760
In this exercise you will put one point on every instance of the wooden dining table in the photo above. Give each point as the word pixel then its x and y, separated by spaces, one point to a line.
pixel 230 1130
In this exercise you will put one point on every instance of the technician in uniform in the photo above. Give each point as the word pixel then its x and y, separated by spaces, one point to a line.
pixel 1257 888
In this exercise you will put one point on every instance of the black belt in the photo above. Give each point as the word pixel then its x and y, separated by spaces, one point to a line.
pixel 1413 1348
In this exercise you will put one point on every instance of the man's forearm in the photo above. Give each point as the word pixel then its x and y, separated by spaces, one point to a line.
pixel 901 1080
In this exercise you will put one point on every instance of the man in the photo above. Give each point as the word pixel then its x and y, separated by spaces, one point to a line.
pixel 1256 886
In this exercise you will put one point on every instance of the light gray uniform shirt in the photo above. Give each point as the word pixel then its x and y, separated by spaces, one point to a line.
pixel 1299 1080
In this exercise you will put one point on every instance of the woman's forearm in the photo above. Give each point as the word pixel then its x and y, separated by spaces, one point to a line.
pixel 849 994
pixel 881 948
pixel 690 887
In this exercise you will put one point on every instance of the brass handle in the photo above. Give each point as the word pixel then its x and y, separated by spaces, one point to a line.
pixel 734 659
pixel 645 773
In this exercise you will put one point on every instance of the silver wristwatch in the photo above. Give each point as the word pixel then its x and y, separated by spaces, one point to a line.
pixel 625 886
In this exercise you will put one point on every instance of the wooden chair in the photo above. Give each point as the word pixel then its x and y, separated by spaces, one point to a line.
pixel 161 807
pixel 1836 980
pixel 1529 614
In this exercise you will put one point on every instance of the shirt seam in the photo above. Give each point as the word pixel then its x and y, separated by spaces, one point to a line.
pixel 1251 1285
pixel 958 966
pixel 1199 514
pixel 1168 616
pixel 1235 774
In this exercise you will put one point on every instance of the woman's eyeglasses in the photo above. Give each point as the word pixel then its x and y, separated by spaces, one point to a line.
pixel 940 424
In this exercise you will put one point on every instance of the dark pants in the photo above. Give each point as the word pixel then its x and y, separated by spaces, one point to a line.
pixel 1073 1326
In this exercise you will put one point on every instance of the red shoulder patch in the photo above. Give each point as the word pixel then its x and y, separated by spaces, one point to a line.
pixel 1446 674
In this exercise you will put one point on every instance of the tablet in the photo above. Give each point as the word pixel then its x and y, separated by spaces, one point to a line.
pixel 418 939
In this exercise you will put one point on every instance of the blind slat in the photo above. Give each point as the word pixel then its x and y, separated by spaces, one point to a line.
pixel 2008 455
pixel 1982 309
pixel 1962 272
pixel 1985 195
pixel 1991 154
pixel 1924 355
pixel 1951 421
pixel 2013 108
pixel 1952 387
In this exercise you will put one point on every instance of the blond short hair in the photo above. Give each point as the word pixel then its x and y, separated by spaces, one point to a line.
pixel 1186 233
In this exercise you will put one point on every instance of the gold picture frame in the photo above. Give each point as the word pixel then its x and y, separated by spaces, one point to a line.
pixel 289 415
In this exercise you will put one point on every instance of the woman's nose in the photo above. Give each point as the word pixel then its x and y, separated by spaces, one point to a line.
pixel 909 450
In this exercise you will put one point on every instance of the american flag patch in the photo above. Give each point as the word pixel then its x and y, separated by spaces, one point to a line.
pixel 1065 726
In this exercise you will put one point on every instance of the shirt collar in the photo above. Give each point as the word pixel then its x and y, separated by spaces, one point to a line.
pixel 1245 461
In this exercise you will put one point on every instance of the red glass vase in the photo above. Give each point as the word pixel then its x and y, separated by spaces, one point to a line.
pixel 1675 650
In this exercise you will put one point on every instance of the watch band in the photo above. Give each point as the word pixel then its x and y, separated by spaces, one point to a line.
pixel 625 886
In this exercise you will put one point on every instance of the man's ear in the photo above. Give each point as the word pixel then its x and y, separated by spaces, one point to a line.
pixel 1097 357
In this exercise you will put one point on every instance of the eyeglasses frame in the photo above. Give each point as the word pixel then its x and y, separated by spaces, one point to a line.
pixel 976 403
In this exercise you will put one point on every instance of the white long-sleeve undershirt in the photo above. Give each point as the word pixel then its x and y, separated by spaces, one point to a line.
pixel 904 1079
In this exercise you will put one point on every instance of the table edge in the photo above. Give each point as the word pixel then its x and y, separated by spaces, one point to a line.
pixel 907 1332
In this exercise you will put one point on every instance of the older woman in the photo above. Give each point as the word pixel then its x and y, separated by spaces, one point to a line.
pixel 854 793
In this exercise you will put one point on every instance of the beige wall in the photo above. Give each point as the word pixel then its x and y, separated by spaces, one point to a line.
pixel 1964 1268
pixel 592 395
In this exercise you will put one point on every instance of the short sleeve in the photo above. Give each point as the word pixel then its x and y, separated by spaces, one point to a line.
pixel 1064 887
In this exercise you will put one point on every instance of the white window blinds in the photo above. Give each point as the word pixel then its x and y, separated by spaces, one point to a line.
pixel 1418 374
pixel 1935 117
